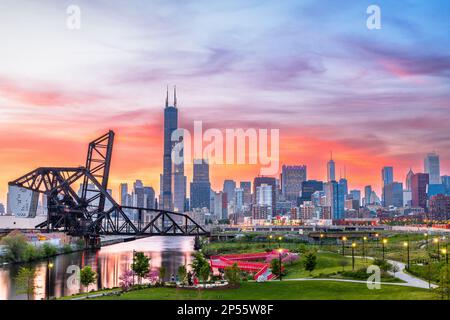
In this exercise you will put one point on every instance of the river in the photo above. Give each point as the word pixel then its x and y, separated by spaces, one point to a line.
pixel 109 262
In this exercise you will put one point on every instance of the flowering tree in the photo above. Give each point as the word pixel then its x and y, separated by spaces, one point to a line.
pixel 153 276
pixel 290 258
pixel 126 280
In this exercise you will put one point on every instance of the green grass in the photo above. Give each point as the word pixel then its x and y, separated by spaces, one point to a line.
pixel 283 290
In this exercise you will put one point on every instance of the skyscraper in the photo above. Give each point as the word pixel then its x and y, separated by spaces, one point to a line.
pixel 291 181
pixel 173 183
pixel 408 180
pixel 432 167
pixel 123 194
pixel 368 195
pixel 308 188
pixel 334 199
pixel 387 175
pixel 247 187
pixel 200 185
pixel 419 184
pixel 393 194
pixel 229 187
pixel 269 181
pixel 331 170
pixel 356 195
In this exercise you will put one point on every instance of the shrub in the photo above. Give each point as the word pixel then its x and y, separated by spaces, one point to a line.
pixel 15 247
pixel 49 249
pixel 67 248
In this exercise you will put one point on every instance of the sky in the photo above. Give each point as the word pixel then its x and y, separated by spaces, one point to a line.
pixel 311 69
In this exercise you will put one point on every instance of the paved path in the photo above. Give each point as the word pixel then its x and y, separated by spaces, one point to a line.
pixel 409 279
pixel 354 281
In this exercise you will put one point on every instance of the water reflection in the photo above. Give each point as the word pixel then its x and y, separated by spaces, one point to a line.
pixel 109 263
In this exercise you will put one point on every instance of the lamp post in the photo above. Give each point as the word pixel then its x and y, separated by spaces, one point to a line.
pixel 279 260
pixel 353 255
pixel 377 237
pixel 270 238
pixel 445 253
pixel 406 245
pixel 279 241
pixel 436 240
pixel 383 244
pixel 343 245
pixel 364 247
pixel 426 240
pixel 49 269
pixel 321 238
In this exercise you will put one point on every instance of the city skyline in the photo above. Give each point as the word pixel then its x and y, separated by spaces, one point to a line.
pixel 344 90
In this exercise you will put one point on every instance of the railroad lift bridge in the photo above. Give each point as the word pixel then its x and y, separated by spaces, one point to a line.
pixel 93 211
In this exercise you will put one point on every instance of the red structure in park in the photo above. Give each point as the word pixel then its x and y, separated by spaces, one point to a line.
pixel 245 262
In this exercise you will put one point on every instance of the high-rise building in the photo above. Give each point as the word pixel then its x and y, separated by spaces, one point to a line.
pixel 239 199
pixel 440 207
pixel 393 194
pixel 247 187
pixel 331 170
pixel 269 181
pixel 264 195
pixel 387 175
pixel 308 188
pixel 2 209
pixel 419 183
pixel 335 199
pixel 446 182
pixel 368 195
pixel 123 194
pixel 229 187
pixel 291 181
pixel 356 195
pixel 432 167
pixel 149 194
pixel 344 186
pixel 170 125
pixel 200 185
pixel 408 180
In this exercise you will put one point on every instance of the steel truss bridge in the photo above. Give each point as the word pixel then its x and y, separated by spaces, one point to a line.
pixel 93 211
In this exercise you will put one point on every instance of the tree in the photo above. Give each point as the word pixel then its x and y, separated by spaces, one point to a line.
pixel 395 268
pixel 126 280
pixel 310 261
pixel 275 267
pixel 233 274
pixel 204 273
pixel 343 263
pixel 162 274
pixel 199 263
pixel 443 290
pixel 25 281
pixel 15 247
pixel 140 265
pixel 182 274
pixel 87 277
pixel 49 249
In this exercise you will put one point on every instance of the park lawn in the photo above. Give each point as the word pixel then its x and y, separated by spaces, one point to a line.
pixel 283 290
pixel 327 263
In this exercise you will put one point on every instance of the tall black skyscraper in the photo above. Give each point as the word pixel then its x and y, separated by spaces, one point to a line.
pixel 171 173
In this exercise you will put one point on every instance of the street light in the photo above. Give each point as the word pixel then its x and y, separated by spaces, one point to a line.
pixel 364 247
pixel 49 268
pixel 445 253
pixel 436 240
pixel 353 255
pixel 279 241
pixel 343 245
pixel 377 236
pixel 383 243
pixel 279 260
pixel 406 245
pixel 321 237
pixel 270 238
pixel 426 239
